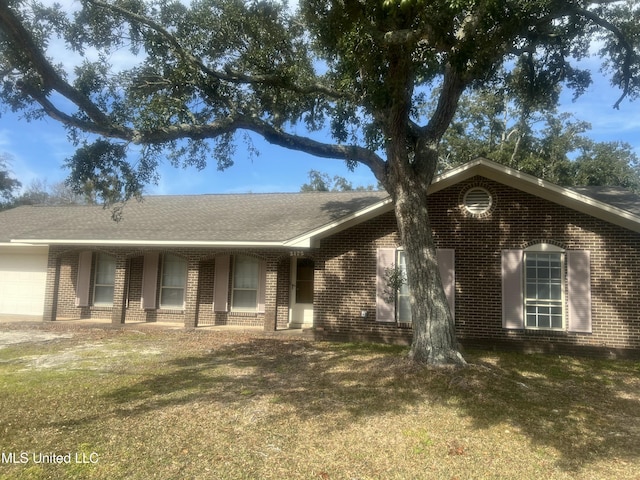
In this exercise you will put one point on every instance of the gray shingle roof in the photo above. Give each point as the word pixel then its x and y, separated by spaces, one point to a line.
pixel 189 218
pixel 250 218
pixel 615 196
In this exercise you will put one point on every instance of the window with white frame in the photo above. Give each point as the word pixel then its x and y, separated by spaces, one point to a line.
pixel 104 279
pixel 403 306
pixel 544 287
pixel 174 279
pixel 246 273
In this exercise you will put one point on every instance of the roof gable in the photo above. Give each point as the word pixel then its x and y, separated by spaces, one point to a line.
pixel 611 204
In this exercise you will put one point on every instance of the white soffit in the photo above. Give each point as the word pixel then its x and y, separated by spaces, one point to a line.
pixel 148 243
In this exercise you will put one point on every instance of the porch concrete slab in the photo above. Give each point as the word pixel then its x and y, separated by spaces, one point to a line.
pixel 11 318
pixel 85 322
pixel 70 323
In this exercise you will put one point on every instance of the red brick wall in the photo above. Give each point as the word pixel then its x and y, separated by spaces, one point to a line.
pixel 346 282
pixel 515 221
pixel 284 282
pixel 68 267
pixel 135 313
pixel 66 308
pixel 205 294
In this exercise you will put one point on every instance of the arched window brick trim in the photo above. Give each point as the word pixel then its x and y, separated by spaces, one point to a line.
pixel 541 241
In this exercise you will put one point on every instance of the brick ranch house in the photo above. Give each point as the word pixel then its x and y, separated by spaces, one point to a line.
pixel 525 263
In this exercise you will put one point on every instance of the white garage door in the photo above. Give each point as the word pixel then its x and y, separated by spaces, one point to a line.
pixel 23 274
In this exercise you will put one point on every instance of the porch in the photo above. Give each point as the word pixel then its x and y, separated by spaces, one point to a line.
pixel 269 290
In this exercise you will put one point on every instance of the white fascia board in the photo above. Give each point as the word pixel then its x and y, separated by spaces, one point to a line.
pixel 312 239
pixel 151 243
pixel 456 175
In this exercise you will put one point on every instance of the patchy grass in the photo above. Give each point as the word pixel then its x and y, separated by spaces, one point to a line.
pixel 215 405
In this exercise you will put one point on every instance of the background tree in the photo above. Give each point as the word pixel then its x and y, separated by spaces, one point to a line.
pixel 8 184
pixel 322 182
pixel 39 192
pixel 361 70
pixel 607 163
pixel 545 143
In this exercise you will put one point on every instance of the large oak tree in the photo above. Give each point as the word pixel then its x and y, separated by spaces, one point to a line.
pixel 339 79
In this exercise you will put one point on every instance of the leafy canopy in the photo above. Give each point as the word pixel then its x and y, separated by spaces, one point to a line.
pixel 342 79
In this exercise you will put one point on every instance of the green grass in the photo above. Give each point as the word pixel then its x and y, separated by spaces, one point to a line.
pixel 213 405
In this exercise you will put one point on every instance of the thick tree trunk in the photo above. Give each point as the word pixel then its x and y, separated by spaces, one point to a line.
pixel 434 340
pixel 412 159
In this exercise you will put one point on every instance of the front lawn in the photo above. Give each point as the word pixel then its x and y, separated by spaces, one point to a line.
pixel 107 404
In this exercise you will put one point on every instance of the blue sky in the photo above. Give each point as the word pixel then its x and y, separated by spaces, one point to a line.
pixel 38 150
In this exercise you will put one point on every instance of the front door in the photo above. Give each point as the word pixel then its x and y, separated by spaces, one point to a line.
pixel 301 311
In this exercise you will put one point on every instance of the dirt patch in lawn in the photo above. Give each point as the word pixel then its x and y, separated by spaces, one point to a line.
pixel 14 337
pixel 95 356
pixel 77 352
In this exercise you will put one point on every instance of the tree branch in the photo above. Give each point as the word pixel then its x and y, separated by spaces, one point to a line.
pixel 350 153
pixel 453 86
pixel 602 22
pixel 213 130
pixel 228 75
pixel 51 79
pixel 271 134
pixel 628 58
pixel 106 129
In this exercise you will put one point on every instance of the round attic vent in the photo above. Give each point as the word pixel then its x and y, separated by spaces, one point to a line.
pixel 477 201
